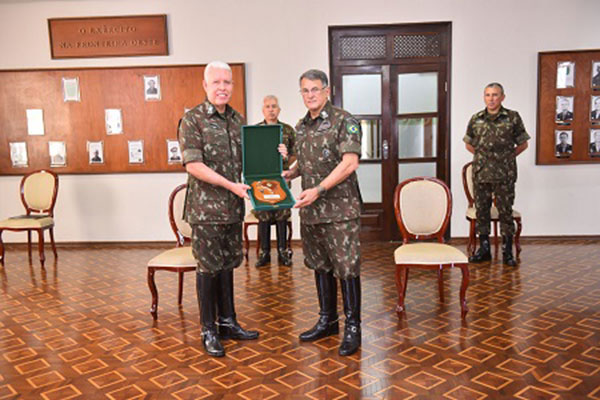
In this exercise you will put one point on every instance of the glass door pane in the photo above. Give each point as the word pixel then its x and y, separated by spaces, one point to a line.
pixel 371 139
pixel 417 137
pixel 417 93
pixel 361 94
pixel 369 182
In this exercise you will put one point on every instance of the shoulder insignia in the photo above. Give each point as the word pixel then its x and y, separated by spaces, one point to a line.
pixel 352 128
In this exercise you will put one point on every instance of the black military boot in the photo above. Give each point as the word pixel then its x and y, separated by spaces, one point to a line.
pixel 264 234
pixel 206 291
pixel 227 324
pixel 483 253
pixel 283 256
pixel 328 317
pixel 507 253
pixel 351 296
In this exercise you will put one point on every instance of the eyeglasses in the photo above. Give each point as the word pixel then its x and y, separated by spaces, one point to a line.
pixel 306 92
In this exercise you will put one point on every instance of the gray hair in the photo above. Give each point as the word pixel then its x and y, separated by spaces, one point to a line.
pixel 314 75
pixel 215 65
pixel 495 85
pixel 271 97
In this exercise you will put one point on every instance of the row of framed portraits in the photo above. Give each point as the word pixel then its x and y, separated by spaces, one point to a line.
pixel 565 74
pixel 72 90
pixel 564 143
pixel 57 152
pixel 565 109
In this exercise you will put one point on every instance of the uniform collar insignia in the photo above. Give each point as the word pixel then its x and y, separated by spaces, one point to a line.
pixel 324 114
pixel 210 108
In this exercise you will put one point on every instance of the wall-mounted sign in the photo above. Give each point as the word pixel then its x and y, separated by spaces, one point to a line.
pixel 143 35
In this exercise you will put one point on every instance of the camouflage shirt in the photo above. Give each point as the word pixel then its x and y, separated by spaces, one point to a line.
pixel 320 145
pixel 214 139
pixel 494 138
pixel 289 138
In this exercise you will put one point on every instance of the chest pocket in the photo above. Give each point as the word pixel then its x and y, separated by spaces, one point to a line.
pixel 216 144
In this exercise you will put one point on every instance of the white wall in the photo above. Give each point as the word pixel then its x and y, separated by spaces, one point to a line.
pixel 278 40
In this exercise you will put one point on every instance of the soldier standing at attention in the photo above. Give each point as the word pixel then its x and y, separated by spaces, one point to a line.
pixel 496 136
pixel 210 139
pixel 271 112
pixel 328 150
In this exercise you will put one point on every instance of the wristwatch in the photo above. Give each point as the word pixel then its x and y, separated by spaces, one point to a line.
pixel 321 190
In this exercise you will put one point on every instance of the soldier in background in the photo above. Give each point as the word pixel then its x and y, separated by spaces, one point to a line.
pixel 496 136
pixel 210 140
pixel 271 112
pixel 328 150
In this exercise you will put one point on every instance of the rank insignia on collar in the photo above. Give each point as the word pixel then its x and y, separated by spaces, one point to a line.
pixel 210 109
pixel 324 114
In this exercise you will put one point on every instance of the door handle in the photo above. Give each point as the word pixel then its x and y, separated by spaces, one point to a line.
pixel 386 149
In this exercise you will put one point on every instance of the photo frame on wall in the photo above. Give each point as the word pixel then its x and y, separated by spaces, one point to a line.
pixel 71 89
pixel 95 152
pixel 595 109
pixel 136 151
pixel 173 152
pixel 595 142
pixel 596 74
pixel 564 143
pixel 114 121
pixel 564 109
pixel 152 88
pixel 58 154
pixel 565 74
pixel 18 154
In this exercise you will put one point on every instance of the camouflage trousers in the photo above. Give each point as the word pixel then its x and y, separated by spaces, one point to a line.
pixel 217 247
pixel 333 246
pixel 504 192
pixel 273 216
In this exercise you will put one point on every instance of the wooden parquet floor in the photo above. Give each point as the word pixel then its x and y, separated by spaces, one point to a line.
pixel 80 328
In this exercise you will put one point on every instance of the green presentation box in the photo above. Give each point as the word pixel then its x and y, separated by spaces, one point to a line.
pixel 261 160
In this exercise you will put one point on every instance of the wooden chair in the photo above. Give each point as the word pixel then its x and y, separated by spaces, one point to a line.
pixel 423 207
pixel 38 195
pixel 467 178
pixel 180 259
pixel 250 220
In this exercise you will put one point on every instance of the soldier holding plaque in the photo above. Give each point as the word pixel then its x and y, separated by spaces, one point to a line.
pixel 210 141
pixel 328 150
pixel 271 112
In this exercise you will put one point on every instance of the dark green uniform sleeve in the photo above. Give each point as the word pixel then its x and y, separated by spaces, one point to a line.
pixel 350 136
pixel 468 138
pixel 521 135
pixel 190 140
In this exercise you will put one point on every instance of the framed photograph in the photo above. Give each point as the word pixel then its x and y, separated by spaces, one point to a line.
pixel 173 152
pixel 564 142
pixel 565 74
pixel 152 87
pixel 564 109
pixel 595 107
pixel 58 154
pixel 136 151
pixel 18 154
pixel 71 89
pixel 596 74
pixel 35 122
pixel 95 152
pixel 114 121
pixel 595 142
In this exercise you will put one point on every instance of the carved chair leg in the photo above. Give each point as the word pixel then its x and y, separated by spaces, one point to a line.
pixel 440 274
pixel 401 283
pixel 246 241
pixel 1 248
pixel 180 288
pixel 29 244
pixel 518 236
pixel 53 243
pixel 472 238
pixel 463 290
pixel 41 246
pixel 154 292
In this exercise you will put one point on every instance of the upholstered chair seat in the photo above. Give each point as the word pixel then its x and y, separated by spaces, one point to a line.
pixel 27 223
pixel 177 257
pixel 428 253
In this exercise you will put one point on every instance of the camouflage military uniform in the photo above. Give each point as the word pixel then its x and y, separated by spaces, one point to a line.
pixel 215 213
pixel 330 226
pixel 494 138
pixel 289 138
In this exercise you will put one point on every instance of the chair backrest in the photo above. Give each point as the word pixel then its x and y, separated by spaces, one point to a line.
pixel 38 191
pixel 467 178
pixel 181 229
pixel 423 207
